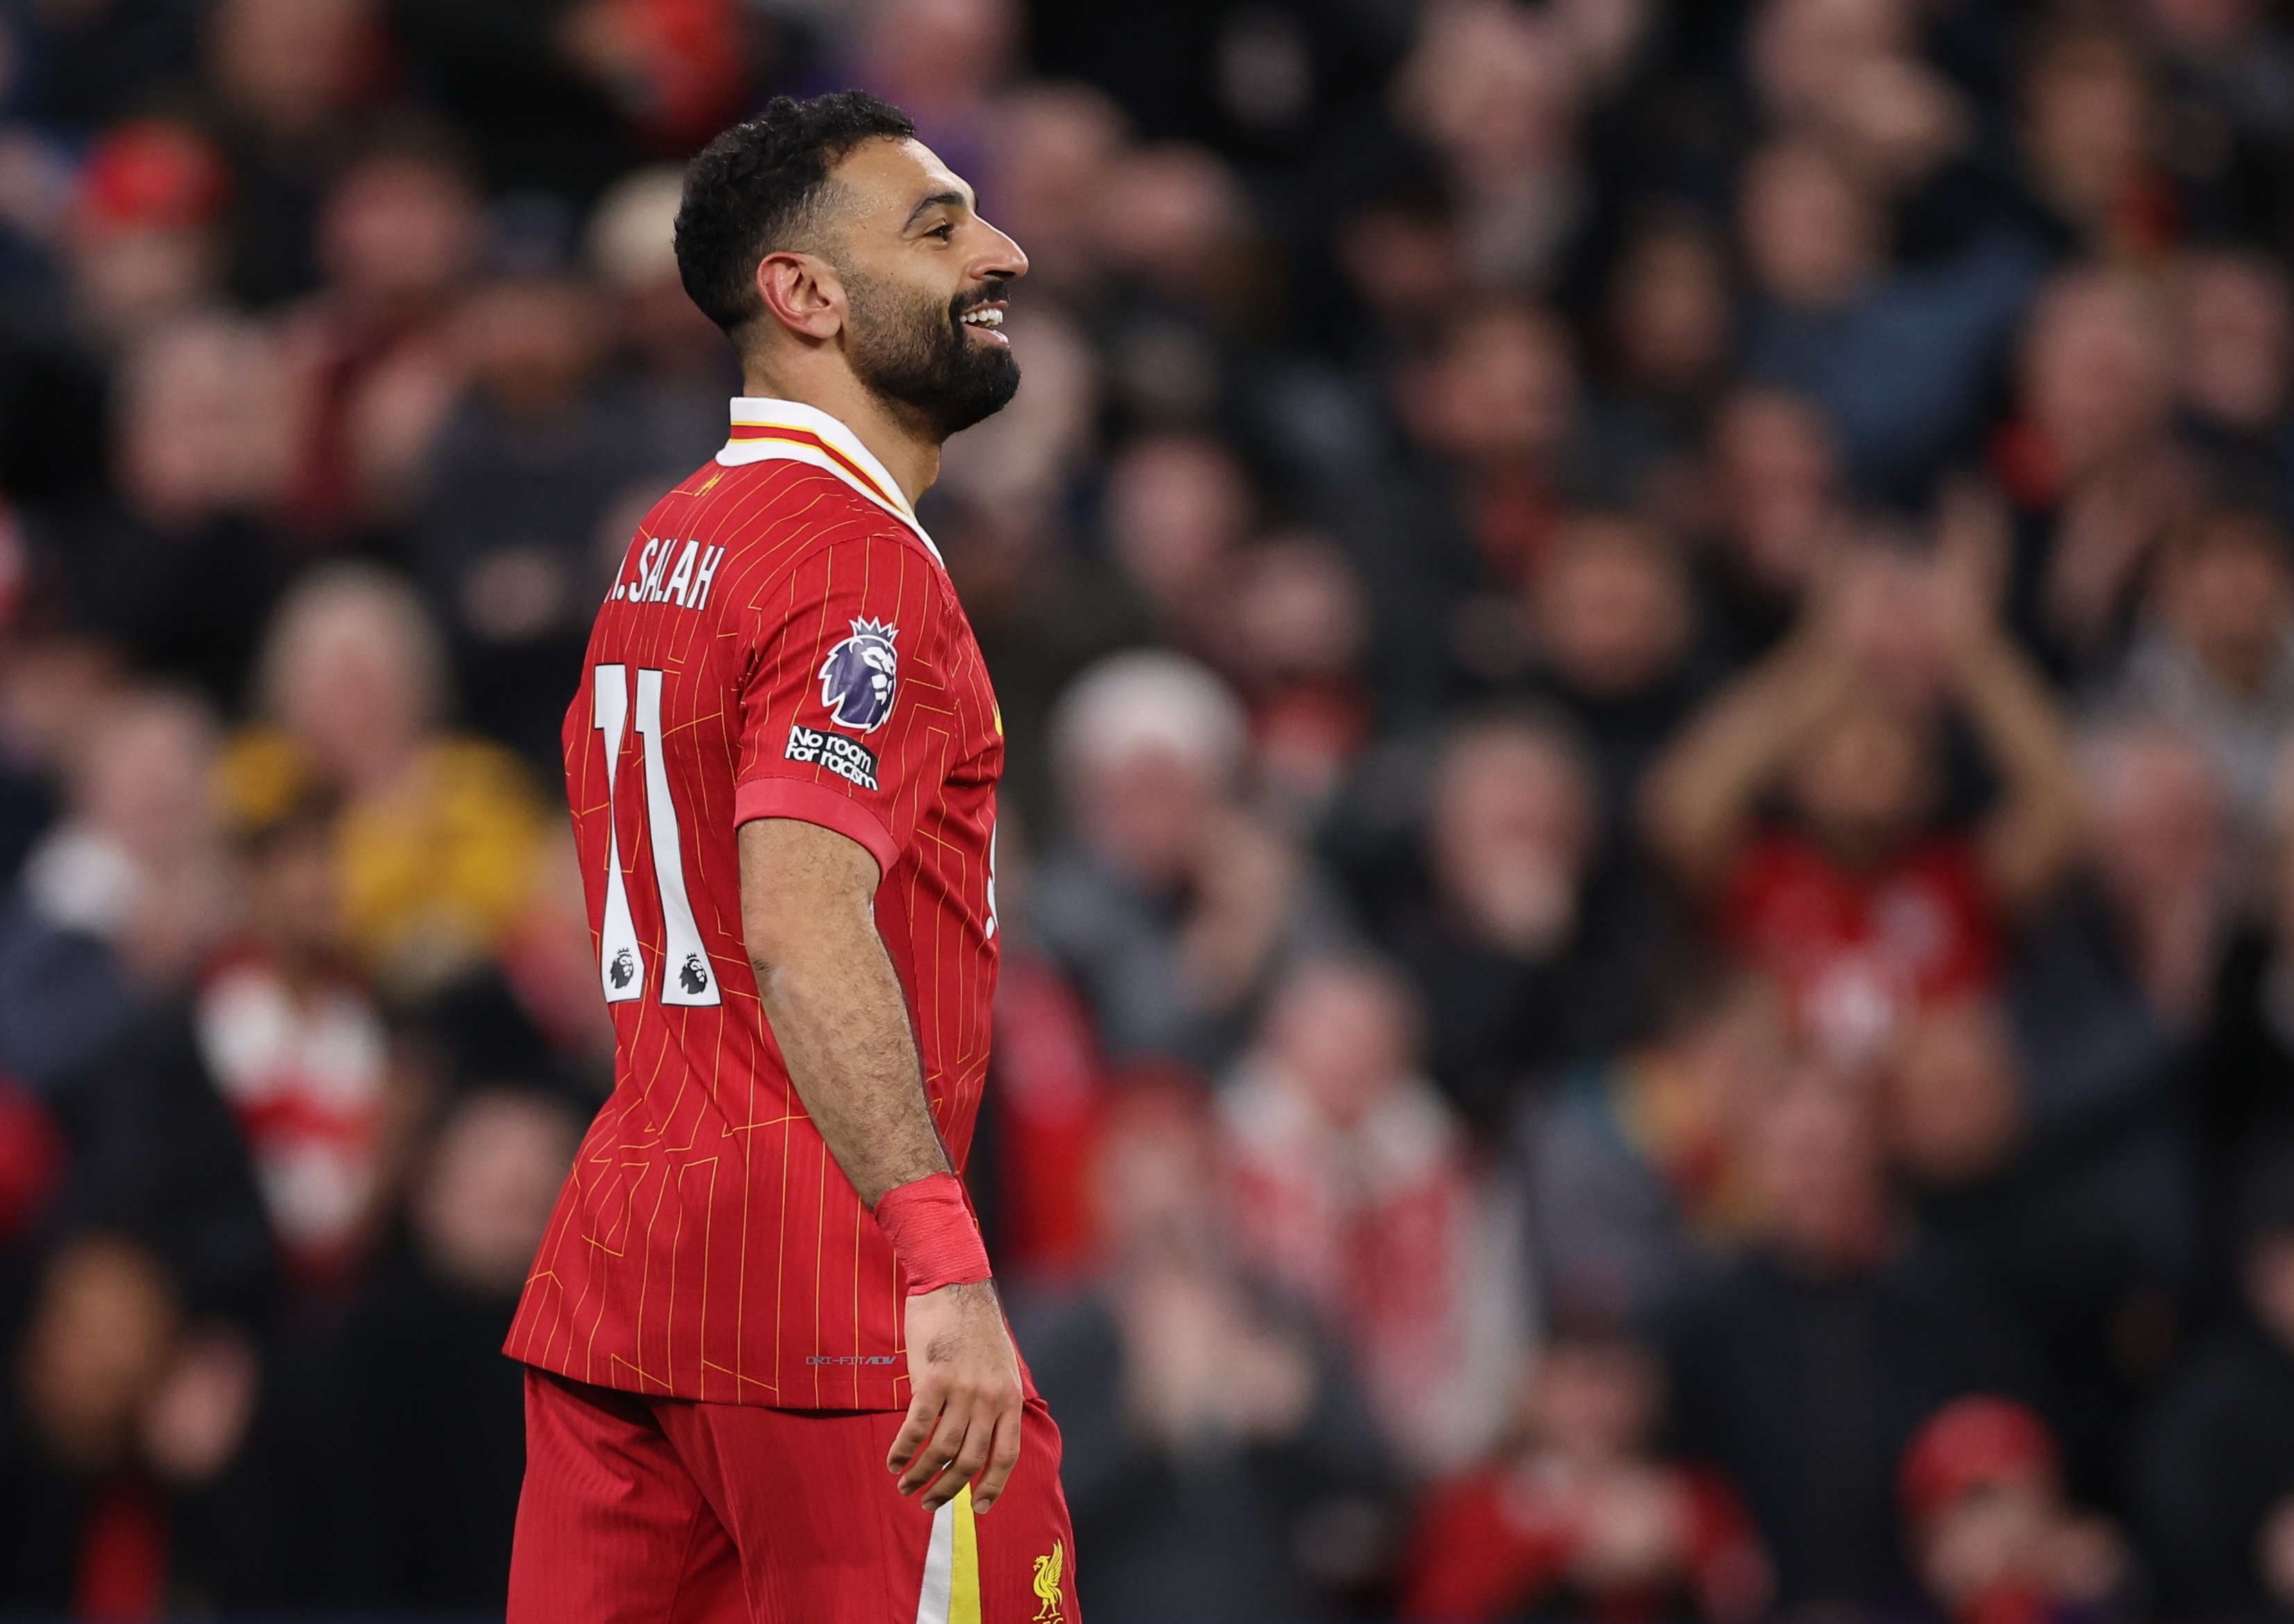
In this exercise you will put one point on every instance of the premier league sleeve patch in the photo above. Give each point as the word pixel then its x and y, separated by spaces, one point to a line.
pixel 861 676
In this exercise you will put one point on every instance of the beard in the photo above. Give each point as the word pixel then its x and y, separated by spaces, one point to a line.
pixel 915 355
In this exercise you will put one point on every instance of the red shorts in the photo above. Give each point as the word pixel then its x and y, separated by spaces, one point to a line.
pixel 663 1511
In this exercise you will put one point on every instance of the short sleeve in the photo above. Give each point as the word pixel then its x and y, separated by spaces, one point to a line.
pixel 841 693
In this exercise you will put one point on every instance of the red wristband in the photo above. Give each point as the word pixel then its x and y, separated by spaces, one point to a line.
pixel 933 1233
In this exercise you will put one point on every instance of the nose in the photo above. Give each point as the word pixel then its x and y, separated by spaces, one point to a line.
pixel 1001 258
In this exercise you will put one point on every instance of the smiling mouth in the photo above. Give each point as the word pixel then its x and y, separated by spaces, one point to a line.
pixel 983 315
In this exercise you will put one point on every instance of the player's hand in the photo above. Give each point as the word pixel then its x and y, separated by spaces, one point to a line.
pixel 963 1423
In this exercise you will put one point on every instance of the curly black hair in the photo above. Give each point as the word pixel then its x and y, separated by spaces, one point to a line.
pixel 757 188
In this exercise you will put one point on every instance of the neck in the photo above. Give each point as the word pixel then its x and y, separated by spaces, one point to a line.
pixel 910 453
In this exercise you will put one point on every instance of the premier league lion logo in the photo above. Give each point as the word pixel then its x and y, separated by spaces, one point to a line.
pixel 858 678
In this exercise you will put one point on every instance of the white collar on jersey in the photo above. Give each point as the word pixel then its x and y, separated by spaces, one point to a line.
pixel 768 430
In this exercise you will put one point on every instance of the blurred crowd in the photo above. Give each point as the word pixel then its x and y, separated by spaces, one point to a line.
pixel 1649 654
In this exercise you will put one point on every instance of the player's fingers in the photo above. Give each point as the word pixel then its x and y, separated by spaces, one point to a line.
pixel 950 1482
pixel 973 1458
pixel 923 1410
pixel 945 1488
pixel 932 1459
pixel 1003 1454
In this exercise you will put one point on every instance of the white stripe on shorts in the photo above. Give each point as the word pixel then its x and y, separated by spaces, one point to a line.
pixel 933 1601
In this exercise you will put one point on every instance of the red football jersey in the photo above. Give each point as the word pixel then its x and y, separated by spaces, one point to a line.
pixel 782 642
pixel 1860 951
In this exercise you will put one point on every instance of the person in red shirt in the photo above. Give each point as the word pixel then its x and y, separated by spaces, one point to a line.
pixel 763 1285
pixel 1994 1540
pixel 1582 1515
pixel 1866 908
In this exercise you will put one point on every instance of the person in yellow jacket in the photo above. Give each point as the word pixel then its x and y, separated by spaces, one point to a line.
pixel 441 832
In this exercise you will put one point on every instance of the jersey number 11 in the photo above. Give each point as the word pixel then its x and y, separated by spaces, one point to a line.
pixel 687 977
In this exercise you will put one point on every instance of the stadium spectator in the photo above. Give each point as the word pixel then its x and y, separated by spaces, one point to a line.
pixel 1668 335
pixel 1853 79
pixel 1048 1090
pixel 533 91
pixel 1950 1102
pixel 1171 241
pixel 1638 1165
pixel 1670 324
pixel 2095 477
pixel 1495 91
pixel 119 901
pixel 943 61
pixel 1289 635
pixel 2216 661
pixel 2236 351
pixel 676 73
pixel 509 540
pixel 528 1013
pixel 155 1157
pixel 426 1407
pixel 2080 1213
pixel 1397 501
pixel 2098 1227
pixel 1898 360
pixel 371 371
pixel 290 80
pixel 1777 512
pixel 1058 139
pixel 1177 508
pixel 669 357
pixel 1579 1514
pixel 1045 612
pixel 1613 620
pixel 1807 1370
pixel 2159 817
pixel 144 236
pixel 1497 405
pixel 1219 1463
pixel 2213 1480
pixel 1491 916
pixel 283 1031
pixel 1354 1194
pixel 126 1489
pixel 179 566
pixel 440 830
pixel 2228 65
pixel 1397 252
pixel 1991 1535
pixel 1172 907
pixel 1170 227
pixel 2087 120
pixel 1841 721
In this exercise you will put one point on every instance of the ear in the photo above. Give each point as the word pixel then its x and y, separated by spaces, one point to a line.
pixel 801 293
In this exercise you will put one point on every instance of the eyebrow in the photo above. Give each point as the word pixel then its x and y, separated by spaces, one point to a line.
pixel 933 200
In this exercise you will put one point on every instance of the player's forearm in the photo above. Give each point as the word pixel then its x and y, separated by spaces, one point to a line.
pixel 842 1026
pixel 833 1001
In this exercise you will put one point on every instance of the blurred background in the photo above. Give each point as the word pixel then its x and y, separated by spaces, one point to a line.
pixel 1647 650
